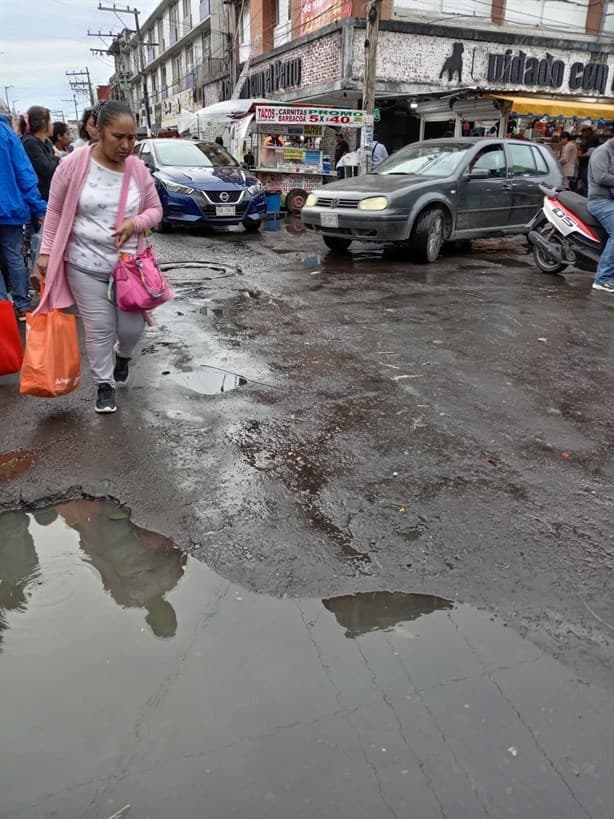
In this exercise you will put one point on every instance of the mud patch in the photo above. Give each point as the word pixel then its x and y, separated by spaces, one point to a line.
pixel 15 464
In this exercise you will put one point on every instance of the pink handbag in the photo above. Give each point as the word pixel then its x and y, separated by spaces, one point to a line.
pixel 138 283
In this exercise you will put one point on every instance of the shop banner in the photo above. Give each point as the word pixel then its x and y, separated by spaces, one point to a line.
pixel 335 117
pixel 174 106
pixel 318 13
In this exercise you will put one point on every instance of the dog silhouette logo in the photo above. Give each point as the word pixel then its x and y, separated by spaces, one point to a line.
pixel 454 64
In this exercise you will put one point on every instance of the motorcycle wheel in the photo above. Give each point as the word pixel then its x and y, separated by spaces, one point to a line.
pixel 541 260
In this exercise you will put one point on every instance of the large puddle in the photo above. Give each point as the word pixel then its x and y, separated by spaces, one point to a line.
pixel 139 684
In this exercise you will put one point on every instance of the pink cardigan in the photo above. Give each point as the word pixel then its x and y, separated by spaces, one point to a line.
pixel 66 187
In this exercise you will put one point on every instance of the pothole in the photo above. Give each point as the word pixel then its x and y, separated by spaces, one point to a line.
pixel 208 380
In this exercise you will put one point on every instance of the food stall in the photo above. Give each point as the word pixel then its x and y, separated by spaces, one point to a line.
pixel 286 145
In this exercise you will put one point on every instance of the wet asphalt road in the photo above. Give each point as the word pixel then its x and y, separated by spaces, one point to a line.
pixel 440 430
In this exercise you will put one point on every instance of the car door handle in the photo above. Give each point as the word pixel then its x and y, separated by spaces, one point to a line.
pixel 508 186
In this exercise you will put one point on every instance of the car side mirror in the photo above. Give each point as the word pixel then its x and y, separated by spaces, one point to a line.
pixel 479 173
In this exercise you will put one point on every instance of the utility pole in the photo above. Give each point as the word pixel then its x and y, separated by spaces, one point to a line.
pixel 140 51
pixel 232 39
pixel 74 101
pixel 371 40
pixel 82 86
pixel 368 104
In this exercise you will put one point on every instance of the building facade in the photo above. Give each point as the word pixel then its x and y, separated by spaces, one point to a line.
pixel 440 65
pixel 183 43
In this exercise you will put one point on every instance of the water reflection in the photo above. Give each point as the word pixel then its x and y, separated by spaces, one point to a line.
pixel 137 567
pixel 259 706
pixel 18 565
pixel 381 611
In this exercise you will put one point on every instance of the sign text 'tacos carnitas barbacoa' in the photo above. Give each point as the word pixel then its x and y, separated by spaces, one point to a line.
pixel 520 69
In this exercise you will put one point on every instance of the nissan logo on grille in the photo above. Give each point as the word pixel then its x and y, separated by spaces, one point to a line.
pixel 224 197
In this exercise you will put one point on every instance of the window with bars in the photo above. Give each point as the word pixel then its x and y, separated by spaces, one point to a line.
pixel 173 19
pixel 177 71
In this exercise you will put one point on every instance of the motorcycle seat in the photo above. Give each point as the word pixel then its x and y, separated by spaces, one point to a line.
pixel 577 204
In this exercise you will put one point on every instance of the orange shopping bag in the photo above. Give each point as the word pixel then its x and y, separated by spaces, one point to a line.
pixel 51 362
pixel 10 342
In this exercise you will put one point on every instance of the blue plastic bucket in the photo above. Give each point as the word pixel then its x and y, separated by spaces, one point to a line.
pixel 273 201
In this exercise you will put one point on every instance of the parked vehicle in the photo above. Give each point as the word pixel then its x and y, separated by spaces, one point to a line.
pixel 201 183
pixel 436 191
pixel 564 233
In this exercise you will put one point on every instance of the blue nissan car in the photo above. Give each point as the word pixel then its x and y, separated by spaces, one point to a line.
pixel 200 183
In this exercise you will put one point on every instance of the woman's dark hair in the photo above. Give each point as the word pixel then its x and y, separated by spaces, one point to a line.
pixel 34 120
pixel 565 135
pixel 59 129
pixel 84 119
pixel 105 112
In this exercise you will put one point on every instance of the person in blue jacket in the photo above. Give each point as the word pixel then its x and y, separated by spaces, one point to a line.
pixel 20 201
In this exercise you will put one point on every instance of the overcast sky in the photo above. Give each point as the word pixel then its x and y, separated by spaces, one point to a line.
pixel 42 39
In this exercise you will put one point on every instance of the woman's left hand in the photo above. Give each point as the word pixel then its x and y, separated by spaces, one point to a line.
pixel 124 232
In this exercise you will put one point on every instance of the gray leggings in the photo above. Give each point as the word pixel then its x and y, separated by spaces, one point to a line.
pixel 103 324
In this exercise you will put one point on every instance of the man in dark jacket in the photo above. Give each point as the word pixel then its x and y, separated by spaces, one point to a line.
pixel 20 201
pixel 601 205
pixel 341 149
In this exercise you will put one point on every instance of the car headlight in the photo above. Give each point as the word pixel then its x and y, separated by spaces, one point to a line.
pixel 255 189
pixel 175 187
pixel 373 203
pixel 311 200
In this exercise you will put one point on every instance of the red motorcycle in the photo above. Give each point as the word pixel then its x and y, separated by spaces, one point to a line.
pixel 565 234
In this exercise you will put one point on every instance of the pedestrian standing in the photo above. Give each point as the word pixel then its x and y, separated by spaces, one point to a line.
pixel 588 142
pixel 601 205
pixel 569 159
pixel 379 153
pixel 88 133
pixel 80 243
pixel 20 201
pixel 341 149
pixel 36 129
pixel 62 139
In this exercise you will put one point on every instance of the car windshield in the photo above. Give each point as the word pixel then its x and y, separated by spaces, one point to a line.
pixel 425 160
pixel 193 154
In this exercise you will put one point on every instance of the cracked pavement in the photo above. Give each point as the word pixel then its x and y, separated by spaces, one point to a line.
pixel 438 430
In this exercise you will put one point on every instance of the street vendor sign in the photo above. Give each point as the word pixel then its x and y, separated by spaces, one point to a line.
pixel 335 117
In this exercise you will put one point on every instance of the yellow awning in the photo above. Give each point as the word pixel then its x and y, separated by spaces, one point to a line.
pixel 557 107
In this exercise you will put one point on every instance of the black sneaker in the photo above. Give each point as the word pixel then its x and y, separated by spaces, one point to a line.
pixel 122 370
pixel 105 400
pixel 607 287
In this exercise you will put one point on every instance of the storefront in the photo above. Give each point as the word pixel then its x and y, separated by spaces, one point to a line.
pixel 431 80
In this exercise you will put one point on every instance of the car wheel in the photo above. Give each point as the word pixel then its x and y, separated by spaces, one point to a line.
pixel 545 264
pixel 428 235
pixel 336 243
pixel 252 226
pixel 295 200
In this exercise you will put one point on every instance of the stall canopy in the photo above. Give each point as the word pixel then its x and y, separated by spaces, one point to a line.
pixel 557 107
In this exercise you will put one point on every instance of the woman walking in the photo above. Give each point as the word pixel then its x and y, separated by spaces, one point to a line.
pixel 36 129
pixel 80 242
